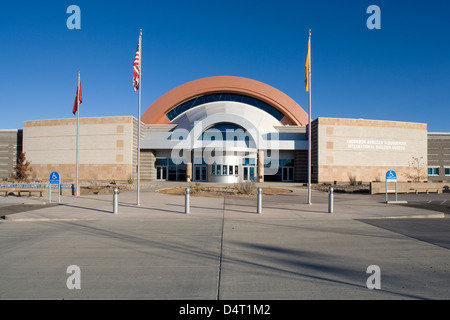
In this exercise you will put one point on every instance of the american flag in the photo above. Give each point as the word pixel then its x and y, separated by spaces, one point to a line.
pixel 136 70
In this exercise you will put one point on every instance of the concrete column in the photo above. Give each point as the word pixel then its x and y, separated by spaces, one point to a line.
pixel 260 169
pixel 148 170
pixel 189 172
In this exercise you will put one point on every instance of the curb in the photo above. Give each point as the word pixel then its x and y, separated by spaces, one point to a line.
pixel 418 216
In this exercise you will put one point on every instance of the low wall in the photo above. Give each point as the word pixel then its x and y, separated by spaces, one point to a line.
pixel 66 189
pixel 410 187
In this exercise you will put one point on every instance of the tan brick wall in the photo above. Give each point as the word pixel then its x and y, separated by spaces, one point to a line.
pixel 105 147
pixel 372 123
pixel 85 171
pixel 366 149
pixel 330 173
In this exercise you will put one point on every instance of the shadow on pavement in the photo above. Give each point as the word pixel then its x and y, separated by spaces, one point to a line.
pixel 433 231
pixel 4 211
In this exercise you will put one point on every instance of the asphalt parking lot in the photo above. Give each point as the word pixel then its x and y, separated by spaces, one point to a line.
pixel 223 250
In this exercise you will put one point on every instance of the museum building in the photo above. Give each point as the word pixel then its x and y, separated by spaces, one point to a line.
pixel 225 129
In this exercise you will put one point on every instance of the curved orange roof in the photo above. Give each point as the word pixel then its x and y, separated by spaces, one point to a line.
pixel 293 113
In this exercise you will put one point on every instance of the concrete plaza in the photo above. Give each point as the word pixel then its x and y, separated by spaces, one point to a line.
pixel 223 249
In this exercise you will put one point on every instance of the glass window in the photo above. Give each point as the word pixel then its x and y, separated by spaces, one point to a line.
pixel 447 171
pixel 158 173
pixel 161 162
pixel 273 177
pixel 248 161
pixel 218 170
pixel 172 173
pixel 204 174
pixel 181 175
pixel 225 131
pixel 247 141
pixel 199 161
pixel 175 112
pixel 236 170
pixel 213 169
pixel 286 162
pixel 230 168
pixel 224 169
pixel 433 171
pixel 197 173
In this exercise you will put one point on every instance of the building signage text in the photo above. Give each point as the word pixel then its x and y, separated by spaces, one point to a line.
pixel 365 144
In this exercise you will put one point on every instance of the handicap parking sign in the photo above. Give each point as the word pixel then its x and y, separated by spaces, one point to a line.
pixel 391 176
pixel 54 178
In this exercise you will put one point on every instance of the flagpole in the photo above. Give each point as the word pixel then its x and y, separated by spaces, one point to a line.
pixel 309 120
pixel 78 126
pixel 139 122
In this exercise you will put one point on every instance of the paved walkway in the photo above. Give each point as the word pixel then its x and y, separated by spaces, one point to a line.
pixel 222 249
pixel 152 204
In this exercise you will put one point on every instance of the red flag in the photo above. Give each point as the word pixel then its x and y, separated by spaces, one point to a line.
pixel 78 99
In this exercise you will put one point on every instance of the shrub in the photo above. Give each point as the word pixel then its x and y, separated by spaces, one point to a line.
pixel 352 180
pixel 22 170
pixel 247 187
pixel 198 187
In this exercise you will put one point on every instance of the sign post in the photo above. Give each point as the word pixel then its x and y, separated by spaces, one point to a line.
pixel 55 179
pixel 391 176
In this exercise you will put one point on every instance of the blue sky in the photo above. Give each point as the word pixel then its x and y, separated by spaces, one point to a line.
pixel 400 72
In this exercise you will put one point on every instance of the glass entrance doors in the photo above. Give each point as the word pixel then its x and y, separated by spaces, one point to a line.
pixel 248 168
pixel 167 170
pixel 201 173
pixel 287 174
pixel 161 173
pixel 248 173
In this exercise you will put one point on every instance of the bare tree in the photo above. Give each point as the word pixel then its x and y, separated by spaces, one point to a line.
pixel 418 170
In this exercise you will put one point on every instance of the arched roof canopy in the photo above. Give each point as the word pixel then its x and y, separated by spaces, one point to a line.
pixel 293 113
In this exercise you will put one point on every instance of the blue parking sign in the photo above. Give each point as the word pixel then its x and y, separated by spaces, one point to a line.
pixel 391 176
pixel 54 178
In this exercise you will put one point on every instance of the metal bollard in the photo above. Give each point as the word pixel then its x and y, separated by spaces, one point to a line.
pixel 116 200
pixel 259 201
pixel 330 200
pixel 187 201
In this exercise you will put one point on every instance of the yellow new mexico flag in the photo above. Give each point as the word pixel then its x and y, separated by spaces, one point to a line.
pixel 307 81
